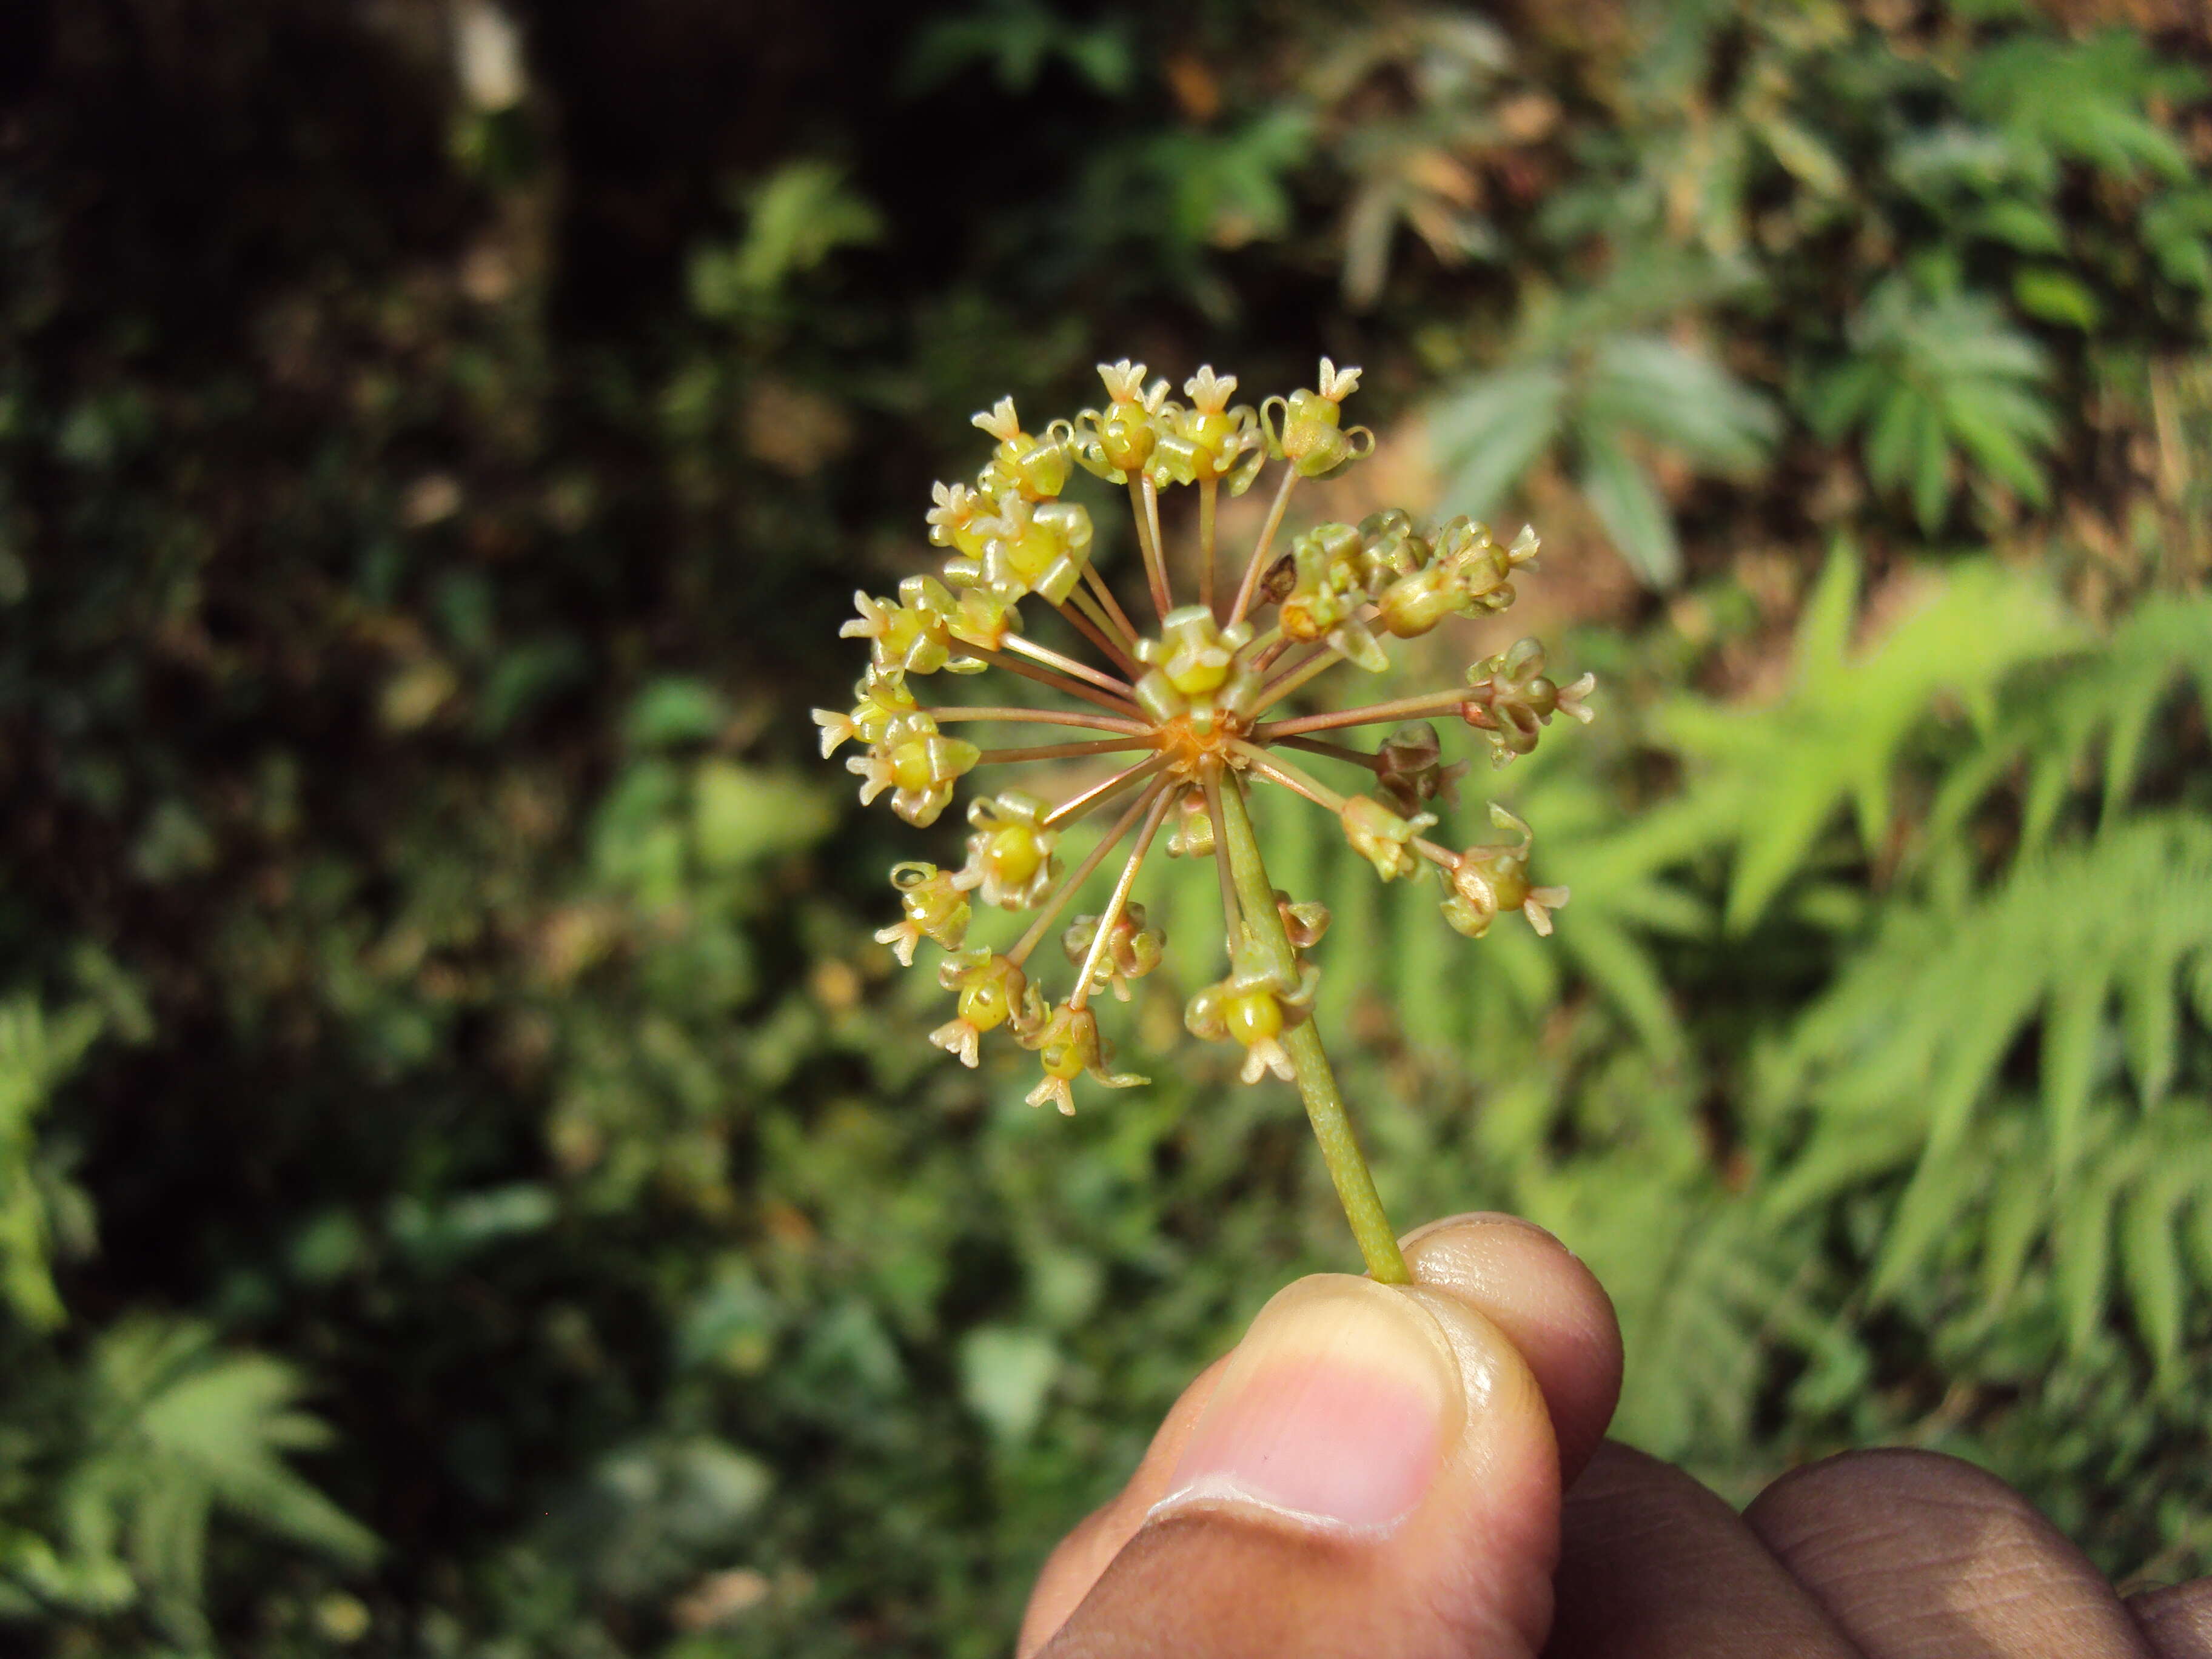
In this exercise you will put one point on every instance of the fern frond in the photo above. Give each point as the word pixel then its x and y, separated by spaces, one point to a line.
pixel 2123 1231
pixel 1703 1285
pixel 1768 782
pixel 2060 100
pixel 176 1429
pixel 37 1051
pixel 1606 394
pixel 1932 380
pixel 1892 1062
pixel 2111 699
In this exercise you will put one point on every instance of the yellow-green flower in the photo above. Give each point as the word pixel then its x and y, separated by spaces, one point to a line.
pixel 1163 714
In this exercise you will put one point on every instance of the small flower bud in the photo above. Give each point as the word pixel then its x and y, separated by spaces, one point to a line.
pixel 1326 583
pixel 980 620
pixel 1132 950
pixel 1253 1010
pixel 1512 701
pixel 913 635
pixel 1304 922
pixel 1031 549
pixel 1034 468
pixel 993 991
pixel 1010 857
pixel 1390 547
pixel 919 763
pixel 1383 838
pixel 1193 652
pixel 1193 835
pixel 1466 575
pixel 1412 772
pixel 881 697
pixel 1115 444
pixel 958 520
pixel 935 909
pixel 1209 440
pixel 1311 437
pixel 1068 1042
pixel 1486 881
pixel 1414 604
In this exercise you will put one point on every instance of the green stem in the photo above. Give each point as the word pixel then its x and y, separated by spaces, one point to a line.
pixel 1270 949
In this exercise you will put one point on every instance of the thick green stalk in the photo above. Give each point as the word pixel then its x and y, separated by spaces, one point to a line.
pixel 1271 952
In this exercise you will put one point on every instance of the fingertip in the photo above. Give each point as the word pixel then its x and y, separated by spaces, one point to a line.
pixel 1549 1305
pixel 1375 1473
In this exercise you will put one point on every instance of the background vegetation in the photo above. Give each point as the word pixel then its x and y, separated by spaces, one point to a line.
pixel 469 1184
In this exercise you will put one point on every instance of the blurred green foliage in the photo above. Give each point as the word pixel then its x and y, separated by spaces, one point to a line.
pixel 469 1182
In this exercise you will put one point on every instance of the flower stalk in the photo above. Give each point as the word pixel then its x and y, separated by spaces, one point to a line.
pixel 1270 952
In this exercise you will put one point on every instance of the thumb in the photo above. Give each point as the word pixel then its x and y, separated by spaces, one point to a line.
pixel 1373 1471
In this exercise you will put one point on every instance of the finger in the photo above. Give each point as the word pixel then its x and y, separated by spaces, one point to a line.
pixel 1374 1473
pixel 2178 1620
pixel 1075 1566
pixel 1653 1566
pixel 1916 1555
pixel 1548 1304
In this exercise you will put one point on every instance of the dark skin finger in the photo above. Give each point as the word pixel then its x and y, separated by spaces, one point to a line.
pixel 1653 1566
pixel 1476 1391
pixel 1224 1541
pixel 2177 1620
pixel 1919 1556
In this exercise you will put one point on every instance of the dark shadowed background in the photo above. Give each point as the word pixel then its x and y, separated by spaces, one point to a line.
pixel 469 1183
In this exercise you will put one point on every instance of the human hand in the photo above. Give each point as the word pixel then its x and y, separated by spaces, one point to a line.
pixel 1379 1474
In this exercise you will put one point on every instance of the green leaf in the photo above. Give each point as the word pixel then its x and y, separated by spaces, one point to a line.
pixel 1768 781
pixel 2112 698
pixel 1928 1013
pixel 1006 1375
pixel 742 815
pixel 1932 381
pixel 1015 38
pixel 2057 296
pixel 1628 503
pixel 2150 1265
pixel 2025 227
pixel 1490 433
pixel 2087 101
pixel 38 1051
pixel 179 1428
pixel 2149 1010
pixel 1678 399
pixel 674 710
pixel 795 219
pixel 2082 1246
pixel 2178 227
pixel 2070 1039
pixel 1583 368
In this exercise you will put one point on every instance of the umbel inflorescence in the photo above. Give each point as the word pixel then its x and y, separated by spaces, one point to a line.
pixel 1187 714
